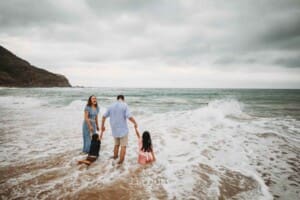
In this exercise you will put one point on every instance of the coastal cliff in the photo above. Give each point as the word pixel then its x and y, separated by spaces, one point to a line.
pixel 16 72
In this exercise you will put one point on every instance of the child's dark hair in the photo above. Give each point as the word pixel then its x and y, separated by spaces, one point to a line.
pixel 95 137
pixel 147 143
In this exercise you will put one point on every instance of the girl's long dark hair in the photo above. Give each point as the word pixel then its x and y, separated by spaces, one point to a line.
pixel 89 103
pixel 147 143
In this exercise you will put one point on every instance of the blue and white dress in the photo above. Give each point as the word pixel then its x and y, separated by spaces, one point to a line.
pixel 85 128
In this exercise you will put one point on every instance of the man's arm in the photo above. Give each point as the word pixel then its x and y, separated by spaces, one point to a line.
pixel 133 121
pixel 129 116
pixel 103 124
pixel 106 114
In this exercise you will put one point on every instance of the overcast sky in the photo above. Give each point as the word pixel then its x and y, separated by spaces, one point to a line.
pixel 200 43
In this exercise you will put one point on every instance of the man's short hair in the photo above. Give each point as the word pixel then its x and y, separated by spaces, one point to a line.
pixel 121 97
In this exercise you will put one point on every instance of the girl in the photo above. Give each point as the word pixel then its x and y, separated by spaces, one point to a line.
pixel 146 153
pixel 90 123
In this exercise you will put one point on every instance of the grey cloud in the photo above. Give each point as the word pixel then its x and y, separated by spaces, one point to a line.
pixel 163 10
pixel 293 62
pixel 172 32
pixel 234 60
pixel 280 33
pixel 15 13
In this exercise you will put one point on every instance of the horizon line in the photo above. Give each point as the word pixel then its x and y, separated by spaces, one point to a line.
pixel 115 87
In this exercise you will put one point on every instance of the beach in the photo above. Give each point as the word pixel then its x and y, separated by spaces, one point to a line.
pixel 209 144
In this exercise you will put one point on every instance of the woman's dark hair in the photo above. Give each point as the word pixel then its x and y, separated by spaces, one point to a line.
pixel 147 144
pixel 89 103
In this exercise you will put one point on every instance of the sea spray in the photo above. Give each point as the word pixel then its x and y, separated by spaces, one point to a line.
pixel 209 144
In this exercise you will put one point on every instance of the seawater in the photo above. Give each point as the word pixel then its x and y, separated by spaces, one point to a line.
pixel 209 143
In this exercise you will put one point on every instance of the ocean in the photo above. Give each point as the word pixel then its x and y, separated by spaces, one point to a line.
pixel 209 144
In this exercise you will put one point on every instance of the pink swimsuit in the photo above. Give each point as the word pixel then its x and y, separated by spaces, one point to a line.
pixel 144 157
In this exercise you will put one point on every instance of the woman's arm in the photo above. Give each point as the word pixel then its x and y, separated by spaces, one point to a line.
pixel 137 132
pixel 97 125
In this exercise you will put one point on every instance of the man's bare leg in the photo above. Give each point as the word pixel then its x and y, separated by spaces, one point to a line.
pixel 116 151
pixel 122 154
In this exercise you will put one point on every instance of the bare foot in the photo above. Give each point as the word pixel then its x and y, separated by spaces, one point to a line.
pixel 120 162
pixel 114 157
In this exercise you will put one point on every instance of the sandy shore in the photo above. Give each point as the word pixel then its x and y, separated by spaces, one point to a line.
pixel 57 177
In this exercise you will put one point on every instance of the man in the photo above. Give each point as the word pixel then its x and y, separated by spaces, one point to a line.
pixel 118 113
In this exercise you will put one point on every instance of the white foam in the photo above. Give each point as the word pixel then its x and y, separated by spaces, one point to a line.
pixel 77 105
pixel 211 135
pixel 15 102
pixel 209 128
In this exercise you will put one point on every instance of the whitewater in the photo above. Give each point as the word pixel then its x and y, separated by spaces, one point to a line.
pixel 209 143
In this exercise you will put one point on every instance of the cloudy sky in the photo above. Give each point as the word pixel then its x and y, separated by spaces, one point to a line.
pixel 188 43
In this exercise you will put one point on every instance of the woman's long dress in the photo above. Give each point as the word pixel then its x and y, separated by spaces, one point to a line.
pixel 92 113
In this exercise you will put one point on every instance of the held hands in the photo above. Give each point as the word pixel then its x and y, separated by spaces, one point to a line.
pixel 102 129
pixel 100 136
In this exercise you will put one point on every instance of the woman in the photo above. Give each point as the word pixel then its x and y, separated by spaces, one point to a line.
pixel 90 123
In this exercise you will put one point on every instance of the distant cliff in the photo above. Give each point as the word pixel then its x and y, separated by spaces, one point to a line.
pixel 16 72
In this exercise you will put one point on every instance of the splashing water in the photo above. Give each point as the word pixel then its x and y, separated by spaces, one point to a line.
pixel 210 144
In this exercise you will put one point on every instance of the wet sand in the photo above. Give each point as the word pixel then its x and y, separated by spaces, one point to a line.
pixel 51 178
